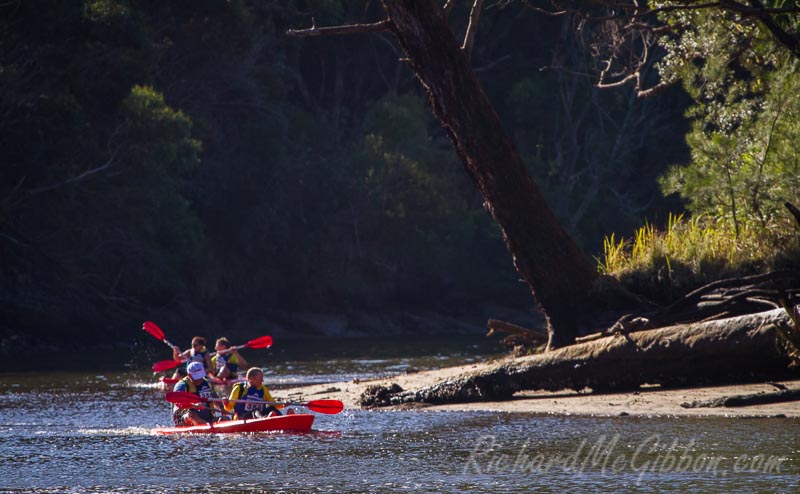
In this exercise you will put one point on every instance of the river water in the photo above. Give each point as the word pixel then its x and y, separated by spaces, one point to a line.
pixel 90 432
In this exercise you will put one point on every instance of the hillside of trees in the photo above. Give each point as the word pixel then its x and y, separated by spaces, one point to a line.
pixel 188 162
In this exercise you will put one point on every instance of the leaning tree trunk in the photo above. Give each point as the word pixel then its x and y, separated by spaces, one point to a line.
pixel 721 351
pixel 559 275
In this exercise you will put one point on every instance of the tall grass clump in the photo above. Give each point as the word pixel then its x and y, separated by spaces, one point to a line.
pixel 687 253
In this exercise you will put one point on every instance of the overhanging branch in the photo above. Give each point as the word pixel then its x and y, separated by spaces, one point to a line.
pixel 375 27
pixel 472 28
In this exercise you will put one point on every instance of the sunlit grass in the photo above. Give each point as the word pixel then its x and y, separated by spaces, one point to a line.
pixel 690 252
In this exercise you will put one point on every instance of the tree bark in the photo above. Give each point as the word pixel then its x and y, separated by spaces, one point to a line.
pixel 558 273
pixel 723 351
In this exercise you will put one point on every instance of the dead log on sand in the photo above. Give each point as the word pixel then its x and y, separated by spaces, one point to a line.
pixel 744 348
pixel 747 400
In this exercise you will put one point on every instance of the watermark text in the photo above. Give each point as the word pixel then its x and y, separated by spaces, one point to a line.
pixel 606 454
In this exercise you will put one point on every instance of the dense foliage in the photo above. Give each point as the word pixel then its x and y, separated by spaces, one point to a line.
pixel 744 164
pixel 744 140
pixel 188 158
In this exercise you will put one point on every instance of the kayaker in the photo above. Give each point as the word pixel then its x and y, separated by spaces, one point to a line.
pixel 253 389
pixel 197 353
pixel 227 361
pixel 196 383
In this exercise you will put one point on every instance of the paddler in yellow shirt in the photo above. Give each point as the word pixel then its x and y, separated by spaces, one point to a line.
pixel 227 361
pixel 253 389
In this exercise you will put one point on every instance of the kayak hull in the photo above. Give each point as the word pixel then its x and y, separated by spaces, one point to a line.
pixel 298 422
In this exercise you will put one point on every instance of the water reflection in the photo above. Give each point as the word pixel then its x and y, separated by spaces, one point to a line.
pixel 360 451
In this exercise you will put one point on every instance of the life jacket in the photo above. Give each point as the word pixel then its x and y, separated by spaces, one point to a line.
pixel 204 390
pixel 243 391
pixel 198 356
pixel 221 361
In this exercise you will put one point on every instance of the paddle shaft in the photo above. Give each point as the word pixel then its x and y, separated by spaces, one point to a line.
pixel 321 406
pixel 170 344
pixel 258 343
pixel 198 399
pixel 229 350
pixel 152 329
pixel 165 365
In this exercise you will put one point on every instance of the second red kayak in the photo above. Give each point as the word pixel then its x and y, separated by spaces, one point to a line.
pixel 297 422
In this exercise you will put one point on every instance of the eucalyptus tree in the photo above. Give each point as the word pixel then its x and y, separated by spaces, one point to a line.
pixel 559 276
pixel 558 273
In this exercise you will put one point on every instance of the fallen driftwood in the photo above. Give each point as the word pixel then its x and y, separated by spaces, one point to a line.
pixel 626 324
pixel 519 338
pixel 744 348
pixel 497 326
pixel 720 299
pixel 746 400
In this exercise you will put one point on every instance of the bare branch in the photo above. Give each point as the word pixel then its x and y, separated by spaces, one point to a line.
pixel 375 27
pixel 608 85
pixel 657 89
pixel 448 6
pixel 567 70
pixel 76 179
pixel 14 197
pixel 553 13
pixel 489 66
pixel 472 28
pixel 10 238
pixel 632 27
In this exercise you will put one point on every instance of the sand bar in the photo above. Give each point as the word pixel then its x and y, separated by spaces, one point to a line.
pixel 649 401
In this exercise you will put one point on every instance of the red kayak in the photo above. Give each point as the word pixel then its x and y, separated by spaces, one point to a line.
pixel 298 422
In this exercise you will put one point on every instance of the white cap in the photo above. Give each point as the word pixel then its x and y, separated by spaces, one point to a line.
pixel 196 370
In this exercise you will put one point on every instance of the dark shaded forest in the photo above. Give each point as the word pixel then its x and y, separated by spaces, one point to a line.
pixel 188 162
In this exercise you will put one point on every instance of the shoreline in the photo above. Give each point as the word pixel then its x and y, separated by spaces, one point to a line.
pixel 649 401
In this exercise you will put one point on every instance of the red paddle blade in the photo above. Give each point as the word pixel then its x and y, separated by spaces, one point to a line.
pixel 331 407
pixel 165 365
pixel 153 329
pixel 184 398
pixel 262 342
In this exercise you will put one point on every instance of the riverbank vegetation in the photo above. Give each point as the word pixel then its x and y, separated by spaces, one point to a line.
pixel 740 183
pixel 193 163
pixel 690 252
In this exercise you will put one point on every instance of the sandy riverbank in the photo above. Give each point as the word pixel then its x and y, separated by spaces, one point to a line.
pixel 650 401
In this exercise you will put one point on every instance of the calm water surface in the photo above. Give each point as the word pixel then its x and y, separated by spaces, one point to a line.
pixel 90 432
